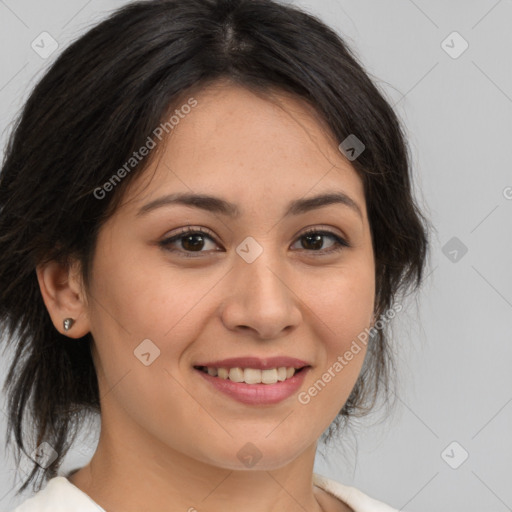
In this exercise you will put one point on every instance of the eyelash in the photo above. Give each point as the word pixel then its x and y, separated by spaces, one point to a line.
pixel 187 231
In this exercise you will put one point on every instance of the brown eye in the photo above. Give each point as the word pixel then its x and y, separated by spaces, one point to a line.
pixel 313 240
pixel 192 240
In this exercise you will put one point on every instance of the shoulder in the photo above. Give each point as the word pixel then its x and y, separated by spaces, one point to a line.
pixel 351 496
pixel 58 496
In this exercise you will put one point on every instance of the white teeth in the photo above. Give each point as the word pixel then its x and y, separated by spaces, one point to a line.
pixel 252 375
pixel 269 376
pixel 222 373
pixel 236 375
pixel 281 374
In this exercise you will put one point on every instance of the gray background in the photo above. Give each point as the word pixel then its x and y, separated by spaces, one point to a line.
pixel 454 346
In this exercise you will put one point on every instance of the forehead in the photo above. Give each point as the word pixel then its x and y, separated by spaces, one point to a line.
pixel 245 146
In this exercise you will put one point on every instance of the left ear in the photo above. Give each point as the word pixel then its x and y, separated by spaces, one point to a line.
pixel 64 296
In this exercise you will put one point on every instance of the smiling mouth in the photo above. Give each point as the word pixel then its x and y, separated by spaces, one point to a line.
pixel 252 375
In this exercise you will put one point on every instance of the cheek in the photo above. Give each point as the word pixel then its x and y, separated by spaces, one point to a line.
pixel 140 296
pixel 343 309
pixel 140 302
pixel 344 301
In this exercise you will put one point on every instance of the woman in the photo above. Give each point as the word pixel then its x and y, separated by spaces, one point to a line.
pixel 207 219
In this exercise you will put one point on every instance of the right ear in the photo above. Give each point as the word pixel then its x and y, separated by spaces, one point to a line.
pixel 64 296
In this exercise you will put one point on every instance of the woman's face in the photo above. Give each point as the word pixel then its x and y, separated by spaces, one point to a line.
pixel 250 285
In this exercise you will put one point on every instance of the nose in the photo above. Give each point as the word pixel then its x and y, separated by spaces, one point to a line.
pixel 260 298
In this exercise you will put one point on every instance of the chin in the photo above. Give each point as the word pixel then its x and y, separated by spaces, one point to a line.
pixel 259 455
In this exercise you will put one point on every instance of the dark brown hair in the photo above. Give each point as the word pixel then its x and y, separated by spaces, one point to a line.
pixel 99 102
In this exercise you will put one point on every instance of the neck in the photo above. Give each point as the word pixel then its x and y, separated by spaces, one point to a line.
pixel 157 479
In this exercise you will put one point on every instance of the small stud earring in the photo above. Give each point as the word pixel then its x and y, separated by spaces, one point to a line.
pixel 68 323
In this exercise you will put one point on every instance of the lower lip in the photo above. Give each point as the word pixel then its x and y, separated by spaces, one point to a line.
pixel 257 394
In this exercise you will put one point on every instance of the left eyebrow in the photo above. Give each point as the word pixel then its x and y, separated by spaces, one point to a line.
pixel 217 205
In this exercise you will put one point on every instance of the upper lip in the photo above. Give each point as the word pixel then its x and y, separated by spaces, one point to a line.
pixel 256 363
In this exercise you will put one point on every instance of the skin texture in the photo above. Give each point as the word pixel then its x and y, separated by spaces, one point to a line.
pixel 169 440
